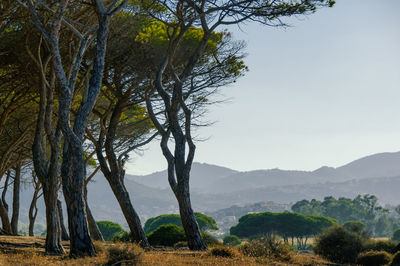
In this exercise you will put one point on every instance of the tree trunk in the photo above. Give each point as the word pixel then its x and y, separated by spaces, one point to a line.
pixel 73 174
pixel 16 191
pixel 64 232
pixel 132 218
pixel 94 229
pixel 53 235
pixel 4 208
pixel 189 223
pixel 33 211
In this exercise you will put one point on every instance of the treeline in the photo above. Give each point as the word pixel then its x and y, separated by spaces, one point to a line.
pixel 379 221
pixel 287 225
pixel 88 83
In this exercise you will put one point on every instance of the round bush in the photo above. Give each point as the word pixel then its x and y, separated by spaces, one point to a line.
pixel 123 237
pixel 396 259
pixel 338 245
pixel 231 240
pixel 373 258
pixel 396 235
pixel 166 235
pixel 109 229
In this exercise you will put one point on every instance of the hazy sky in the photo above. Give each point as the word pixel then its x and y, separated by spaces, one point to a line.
pixel 323 92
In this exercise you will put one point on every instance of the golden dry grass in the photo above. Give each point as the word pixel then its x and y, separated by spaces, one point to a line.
pixel 29 251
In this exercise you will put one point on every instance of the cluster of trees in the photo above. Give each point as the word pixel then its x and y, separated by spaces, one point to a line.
pixel 288 225
pixel 88 82
pixel 379 221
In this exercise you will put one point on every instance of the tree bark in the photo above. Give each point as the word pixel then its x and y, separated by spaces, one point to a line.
pixel 64 232
pixel 131 216
pixel 94 229
pixel 53 235
pixel 6 226
pixel 33 210
pixel 16 203
pixel 73 174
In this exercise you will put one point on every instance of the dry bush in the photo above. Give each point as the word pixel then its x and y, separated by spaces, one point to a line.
pixel 227 252
pixel 396 259
pixel 124 254
pixel 373 258
pixel 271 247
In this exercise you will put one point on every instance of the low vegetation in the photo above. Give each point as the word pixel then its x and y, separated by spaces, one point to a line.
pixel 373 258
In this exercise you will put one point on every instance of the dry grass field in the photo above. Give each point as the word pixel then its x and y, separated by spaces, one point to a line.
pixel 24 250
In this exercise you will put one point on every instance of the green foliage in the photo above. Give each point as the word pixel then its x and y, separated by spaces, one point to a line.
pixel 373 258
pixel 286 224
pixel 123 237
pixel 166 235
pixel 363 208
pixel 205 222
pixel 338 245
pixel 226 252
pixel 396 235
pixel 109 229
pixel 231 240
pixel 209 240
pixel 354 226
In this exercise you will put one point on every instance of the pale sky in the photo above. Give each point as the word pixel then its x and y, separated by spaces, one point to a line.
pixel 323 92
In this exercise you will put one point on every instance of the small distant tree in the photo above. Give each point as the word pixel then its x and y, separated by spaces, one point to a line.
pixel 354 226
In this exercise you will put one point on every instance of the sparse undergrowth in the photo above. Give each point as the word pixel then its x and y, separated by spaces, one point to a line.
pixel 108 253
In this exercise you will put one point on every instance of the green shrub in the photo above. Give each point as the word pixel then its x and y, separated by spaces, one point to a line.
pixel 231 240
pixel 380 245
pixel 124 254
pixel 396 259
pixel 221 251
pixel 354 226
pixel 373 258
pixel 166 235
pixel 338 245
pixel 396 235
pixel 205 222
pixel 109 229
pixel 123 237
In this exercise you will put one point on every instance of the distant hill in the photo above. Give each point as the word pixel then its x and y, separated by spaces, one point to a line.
pixel 202 176
pixel 213 179
pixel 377 165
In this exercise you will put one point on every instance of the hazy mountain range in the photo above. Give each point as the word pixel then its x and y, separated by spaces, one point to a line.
pixel 214 187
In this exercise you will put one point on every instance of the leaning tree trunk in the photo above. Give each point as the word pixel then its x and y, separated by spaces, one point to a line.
pixel 16 192
pixel 73 174
pixel 131 216
pixel 33 211
pixel 189 223
pixel 64 232
pixel 94 229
